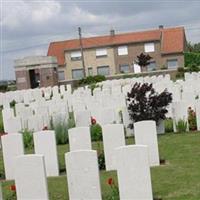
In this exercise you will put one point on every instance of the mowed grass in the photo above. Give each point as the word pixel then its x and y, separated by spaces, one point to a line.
pixel 179 179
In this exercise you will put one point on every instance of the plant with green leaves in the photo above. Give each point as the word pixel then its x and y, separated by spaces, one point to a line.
pixel 28 138
pixel 61 129
pixel 96 132
pixel 168 125
pixel 181 126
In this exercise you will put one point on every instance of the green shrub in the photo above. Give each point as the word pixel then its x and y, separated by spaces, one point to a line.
pixel 61 131
pixel 91 79
pixel 168 125
pixel 101 161
pixel 93 86
pixel 181 126
pixel 192 58
pixel 1 121
pixel 28 139
pixel 192 68
pixel 4 87
pixel 96 132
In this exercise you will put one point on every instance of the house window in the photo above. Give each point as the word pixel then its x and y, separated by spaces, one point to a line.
pixel 61 75
pixel 172 64
pixel 90 71
pixel 124 68
pixel 122 50
pixel 76 55
pixel 151 66
pixel 149 47
pixel 77 73
pixel 103 70
pixel 101 52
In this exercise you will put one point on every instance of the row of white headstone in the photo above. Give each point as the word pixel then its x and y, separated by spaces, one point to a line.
pixel 109 98
pixel 131 162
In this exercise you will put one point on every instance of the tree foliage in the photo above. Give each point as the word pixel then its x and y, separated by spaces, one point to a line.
pixel 195 48
pixel 192 59
pixel 146 104
pixel 143 60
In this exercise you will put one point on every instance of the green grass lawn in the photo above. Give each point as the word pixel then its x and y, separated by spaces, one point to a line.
pixel 179 179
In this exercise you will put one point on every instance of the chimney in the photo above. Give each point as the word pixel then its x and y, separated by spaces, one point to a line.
pixel 112 32
pixel 160 26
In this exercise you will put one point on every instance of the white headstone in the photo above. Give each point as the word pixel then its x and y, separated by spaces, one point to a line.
pixel 127 121
pixel 133 172
pixel 146 134
pixel 83 175
pixel 113 137
pixel 45 144
pixel 79 138
pixel 197 109
pixel 14 125
pixel 30 178
pixel 179 112
pixel 12 146
pixel 83 118
pixel 7 113
pixel 35 123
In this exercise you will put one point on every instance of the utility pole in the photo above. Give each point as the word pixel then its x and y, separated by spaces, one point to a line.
pixel 82 57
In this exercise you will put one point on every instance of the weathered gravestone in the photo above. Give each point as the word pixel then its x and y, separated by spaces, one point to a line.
pixel 45 144
pixel 83 175
pixel 113 137
pixel 12 145
pixel 133 172
pixel 30 178
pixel 146 134
pixel 79 138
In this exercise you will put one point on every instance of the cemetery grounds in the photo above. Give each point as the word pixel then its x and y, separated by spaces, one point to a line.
pixel 178 179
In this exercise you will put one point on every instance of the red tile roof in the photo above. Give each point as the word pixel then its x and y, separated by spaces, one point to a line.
pixel 172 41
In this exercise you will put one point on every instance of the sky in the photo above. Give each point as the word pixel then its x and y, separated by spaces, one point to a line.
pixel 28 26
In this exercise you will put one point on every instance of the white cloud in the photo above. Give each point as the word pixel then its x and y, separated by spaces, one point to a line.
pixel 20 13
pixel 13 14
pixel 45 11
pixel 76 15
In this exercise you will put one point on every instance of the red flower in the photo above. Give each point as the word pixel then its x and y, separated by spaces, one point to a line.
pixel 13 188
pixel 45 128
pixel 110 181
pixel 93 121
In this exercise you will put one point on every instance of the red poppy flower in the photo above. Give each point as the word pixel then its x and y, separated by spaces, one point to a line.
pixel 45 128
pixel 110 181
pixel 13 187
pixel 93 121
